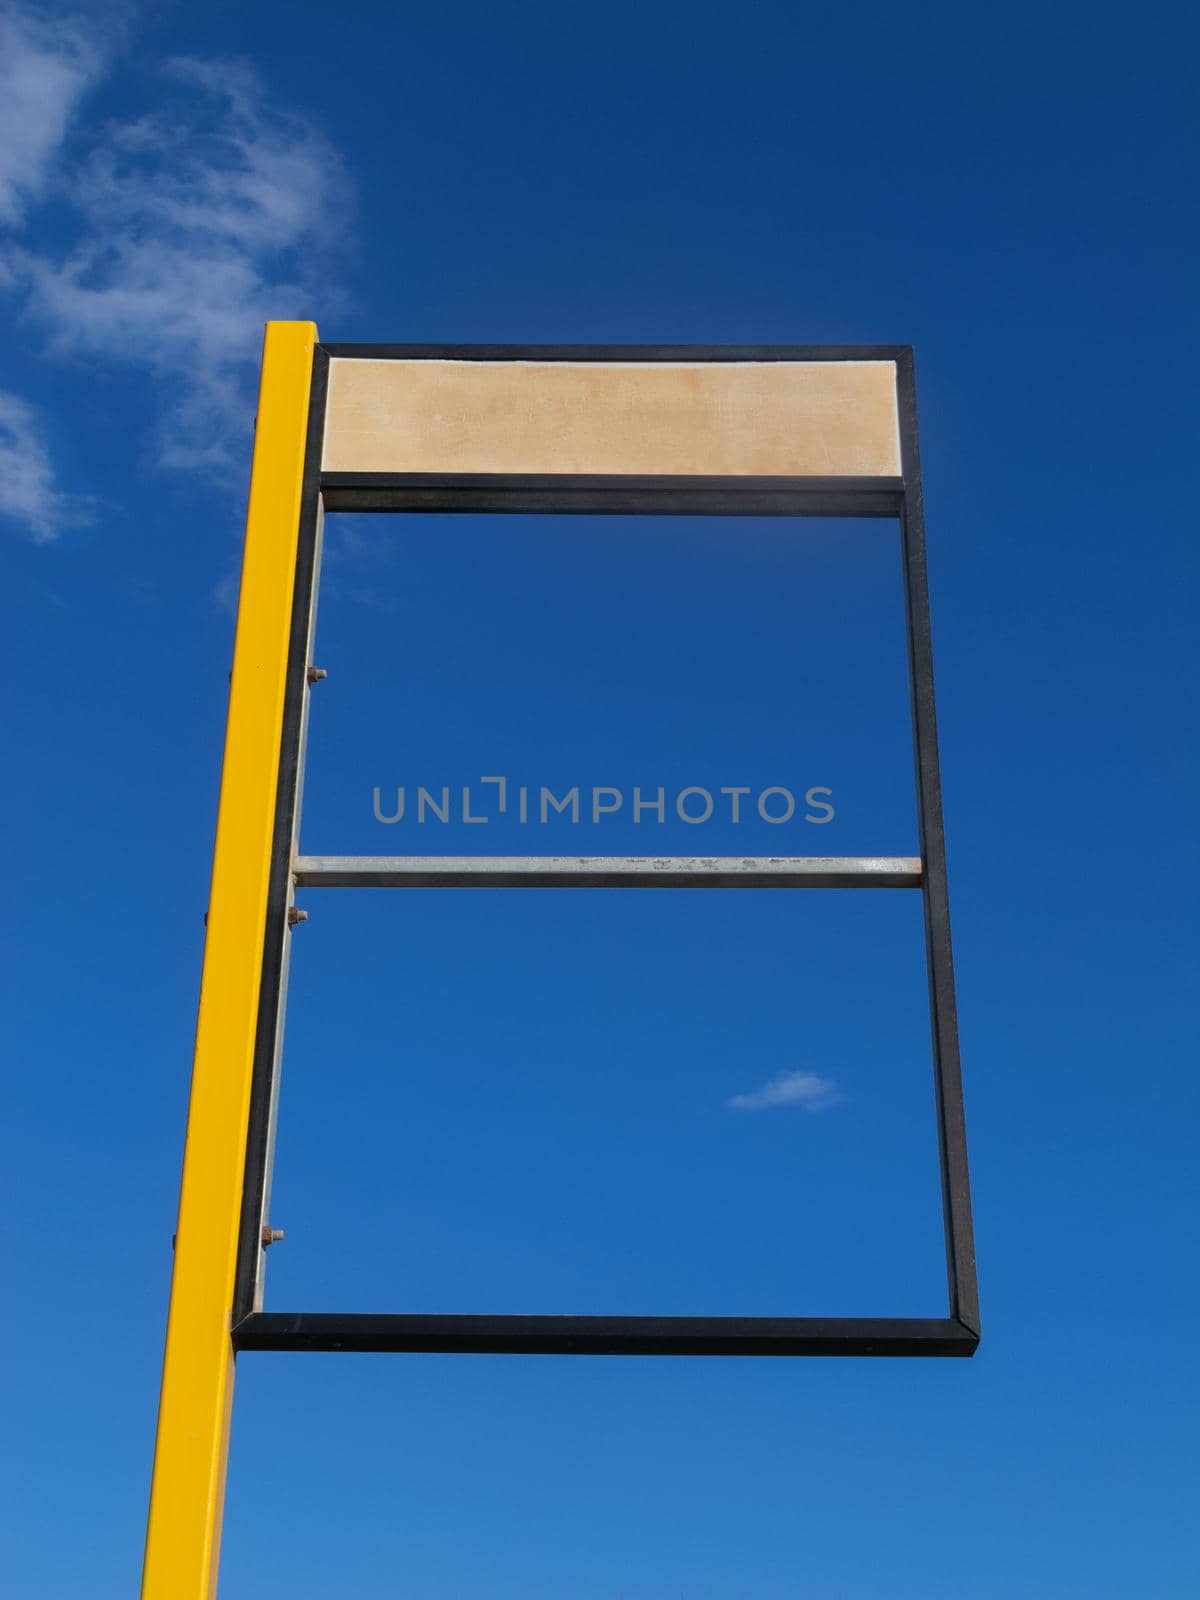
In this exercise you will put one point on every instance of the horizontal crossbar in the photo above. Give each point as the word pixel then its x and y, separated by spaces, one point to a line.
pixel 607 872
pixel 567 493
pixel 615 1336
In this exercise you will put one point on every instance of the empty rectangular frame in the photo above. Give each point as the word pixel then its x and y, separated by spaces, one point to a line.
pixel 765 429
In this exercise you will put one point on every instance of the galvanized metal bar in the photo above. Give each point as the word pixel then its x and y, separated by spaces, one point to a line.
pixel 607 872
pixel 623 1336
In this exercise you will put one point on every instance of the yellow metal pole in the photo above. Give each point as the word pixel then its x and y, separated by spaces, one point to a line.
pixel 187 1492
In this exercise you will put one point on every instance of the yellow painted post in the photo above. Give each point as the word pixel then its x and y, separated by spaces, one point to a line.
pixel 183 1534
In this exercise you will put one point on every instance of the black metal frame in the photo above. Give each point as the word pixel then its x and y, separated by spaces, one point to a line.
pixel 957 1334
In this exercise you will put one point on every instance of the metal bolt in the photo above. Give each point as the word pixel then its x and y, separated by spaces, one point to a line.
pixel 271 1235
pixel 315 674
pixel 295 915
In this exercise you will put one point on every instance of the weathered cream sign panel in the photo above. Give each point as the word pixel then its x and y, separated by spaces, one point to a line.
pixel 753 418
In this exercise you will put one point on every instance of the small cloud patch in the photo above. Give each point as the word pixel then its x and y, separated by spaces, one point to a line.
pixel 808 1090
pixel 29 496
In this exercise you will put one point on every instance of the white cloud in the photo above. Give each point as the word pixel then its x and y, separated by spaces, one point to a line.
pixel 46 64
pixel 29 496
pixel 808 1090
pixel 185 230
pixel 197 223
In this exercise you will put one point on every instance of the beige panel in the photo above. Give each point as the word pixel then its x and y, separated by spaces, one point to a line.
pixel 790 418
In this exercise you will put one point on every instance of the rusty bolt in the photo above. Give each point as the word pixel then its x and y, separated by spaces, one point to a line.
pixel 271 1236
pixel 295 915
pixel 315 674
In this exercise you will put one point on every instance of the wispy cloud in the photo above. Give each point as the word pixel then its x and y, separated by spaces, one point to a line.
pixel 46 64
pixel 808 1090
pixel 30 498
pixel 185 229
pixel 198 223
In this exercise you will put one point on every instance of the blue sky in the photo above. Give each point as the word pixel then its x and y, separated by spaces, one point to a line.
pixel 540 1101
